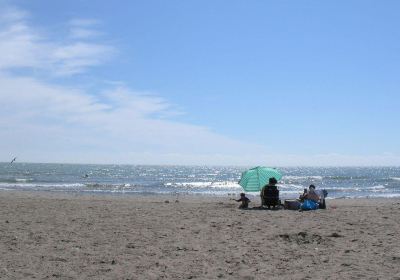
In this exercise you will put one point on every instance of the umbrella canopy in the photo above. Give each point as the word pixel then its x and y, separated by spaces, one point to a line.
pixel 255 178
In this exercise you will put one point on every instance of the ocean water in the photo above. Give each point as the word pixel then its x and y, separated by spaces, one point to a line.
pixel 340 182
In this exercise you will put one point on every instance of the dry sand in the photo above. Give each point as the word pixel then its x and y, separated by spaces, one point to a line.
pixel 49 236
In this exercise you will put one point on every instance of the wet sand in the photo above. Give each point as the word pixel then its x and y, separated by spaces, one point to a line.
pixel 67 236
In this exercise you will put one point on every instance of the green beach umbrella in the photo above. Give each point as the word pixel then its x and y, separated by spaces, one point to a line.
pixel 255 178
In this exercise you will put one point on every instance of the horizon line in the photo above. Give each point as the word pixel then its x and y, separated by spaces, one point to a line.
pixel 208 165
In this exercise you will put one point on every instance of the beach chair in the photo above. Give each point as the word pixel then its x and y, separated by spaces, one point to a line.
pixel 321 202
pixel 270 197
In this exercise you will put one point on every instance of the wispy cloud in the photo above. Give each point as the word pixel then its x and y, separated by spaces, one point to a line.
pixel 84 28
pixel 43 121
pixel 77 57
pixel 83 22
pixel 49 122
pixel 83 33
pixel 10 14
pixel 121 125
pixel 21 46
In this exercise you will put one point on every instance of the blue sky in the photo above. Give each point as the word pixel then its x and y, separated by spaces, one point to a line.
pixel 201 82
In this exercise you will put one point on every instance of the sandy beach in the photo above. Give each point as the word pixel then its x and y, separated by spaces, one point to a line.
pixel 69 236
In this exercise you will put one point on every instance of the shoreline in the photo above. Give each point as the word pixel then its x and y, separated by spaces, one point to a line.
pixel 347 182
pixel 180 195
pixel 69 236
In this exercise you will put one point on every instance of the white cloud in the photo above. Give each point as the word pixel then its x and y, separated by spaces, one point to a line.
pixel 45 122
pixel 83 28
pixel 50 123
pixel 83 22
pixel 21 46
pixel 12 14
pixel 75 58
pixel 71 125
pixel 82 33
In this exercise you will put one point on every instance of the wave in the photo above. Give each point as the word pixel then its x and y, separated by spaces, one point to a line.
pixel 315 177
pixel 312 178
pixel 223 187
pixel 23 179
pixel 378 187
pixel 388 195
pixel 294 186
pixel 16 180
pixel 108 186
pixel 40 185
pixel 301 178
pixel 214 185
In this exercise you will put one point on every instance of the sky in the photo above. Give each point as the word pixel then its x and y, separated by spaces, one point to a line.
pixel 282 83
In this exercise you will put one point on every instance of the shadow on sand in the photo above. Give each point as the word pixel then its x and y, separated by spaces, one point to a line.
pixel 260 208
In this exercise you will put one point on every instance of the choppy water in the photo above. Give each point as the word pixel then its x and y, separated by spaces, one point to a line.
pixel 130 179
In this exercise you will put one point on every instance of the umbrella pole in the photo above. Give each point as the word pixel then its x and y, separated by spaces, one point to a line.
pixel 259 186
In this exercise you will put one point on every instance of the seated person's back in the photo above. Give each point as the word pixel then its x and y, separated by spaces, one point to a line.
pixel 270 194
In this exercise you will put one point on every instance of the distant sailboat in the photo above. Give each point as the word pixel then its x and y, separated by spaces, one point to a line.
pixel 13 160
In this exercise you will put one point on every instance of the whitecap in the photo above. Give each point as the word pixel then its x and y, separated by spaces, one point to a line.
pixel 301 178
pixel 22 180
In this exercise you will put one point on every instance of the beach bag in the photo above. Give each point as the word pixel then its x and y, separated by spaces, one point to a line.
pixel 291 204
pixel 309 205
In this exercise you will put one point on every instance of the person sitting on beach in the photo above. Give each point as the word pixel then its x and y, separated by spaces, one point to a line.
pixel 245 201
pixel 270 194
pixel 310 194
pixel 315 196
pixel 303 195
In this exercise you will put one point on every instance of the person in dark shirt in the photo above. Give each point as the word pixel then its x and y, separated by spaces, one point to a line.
pixel 270 194
pixel 245 201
